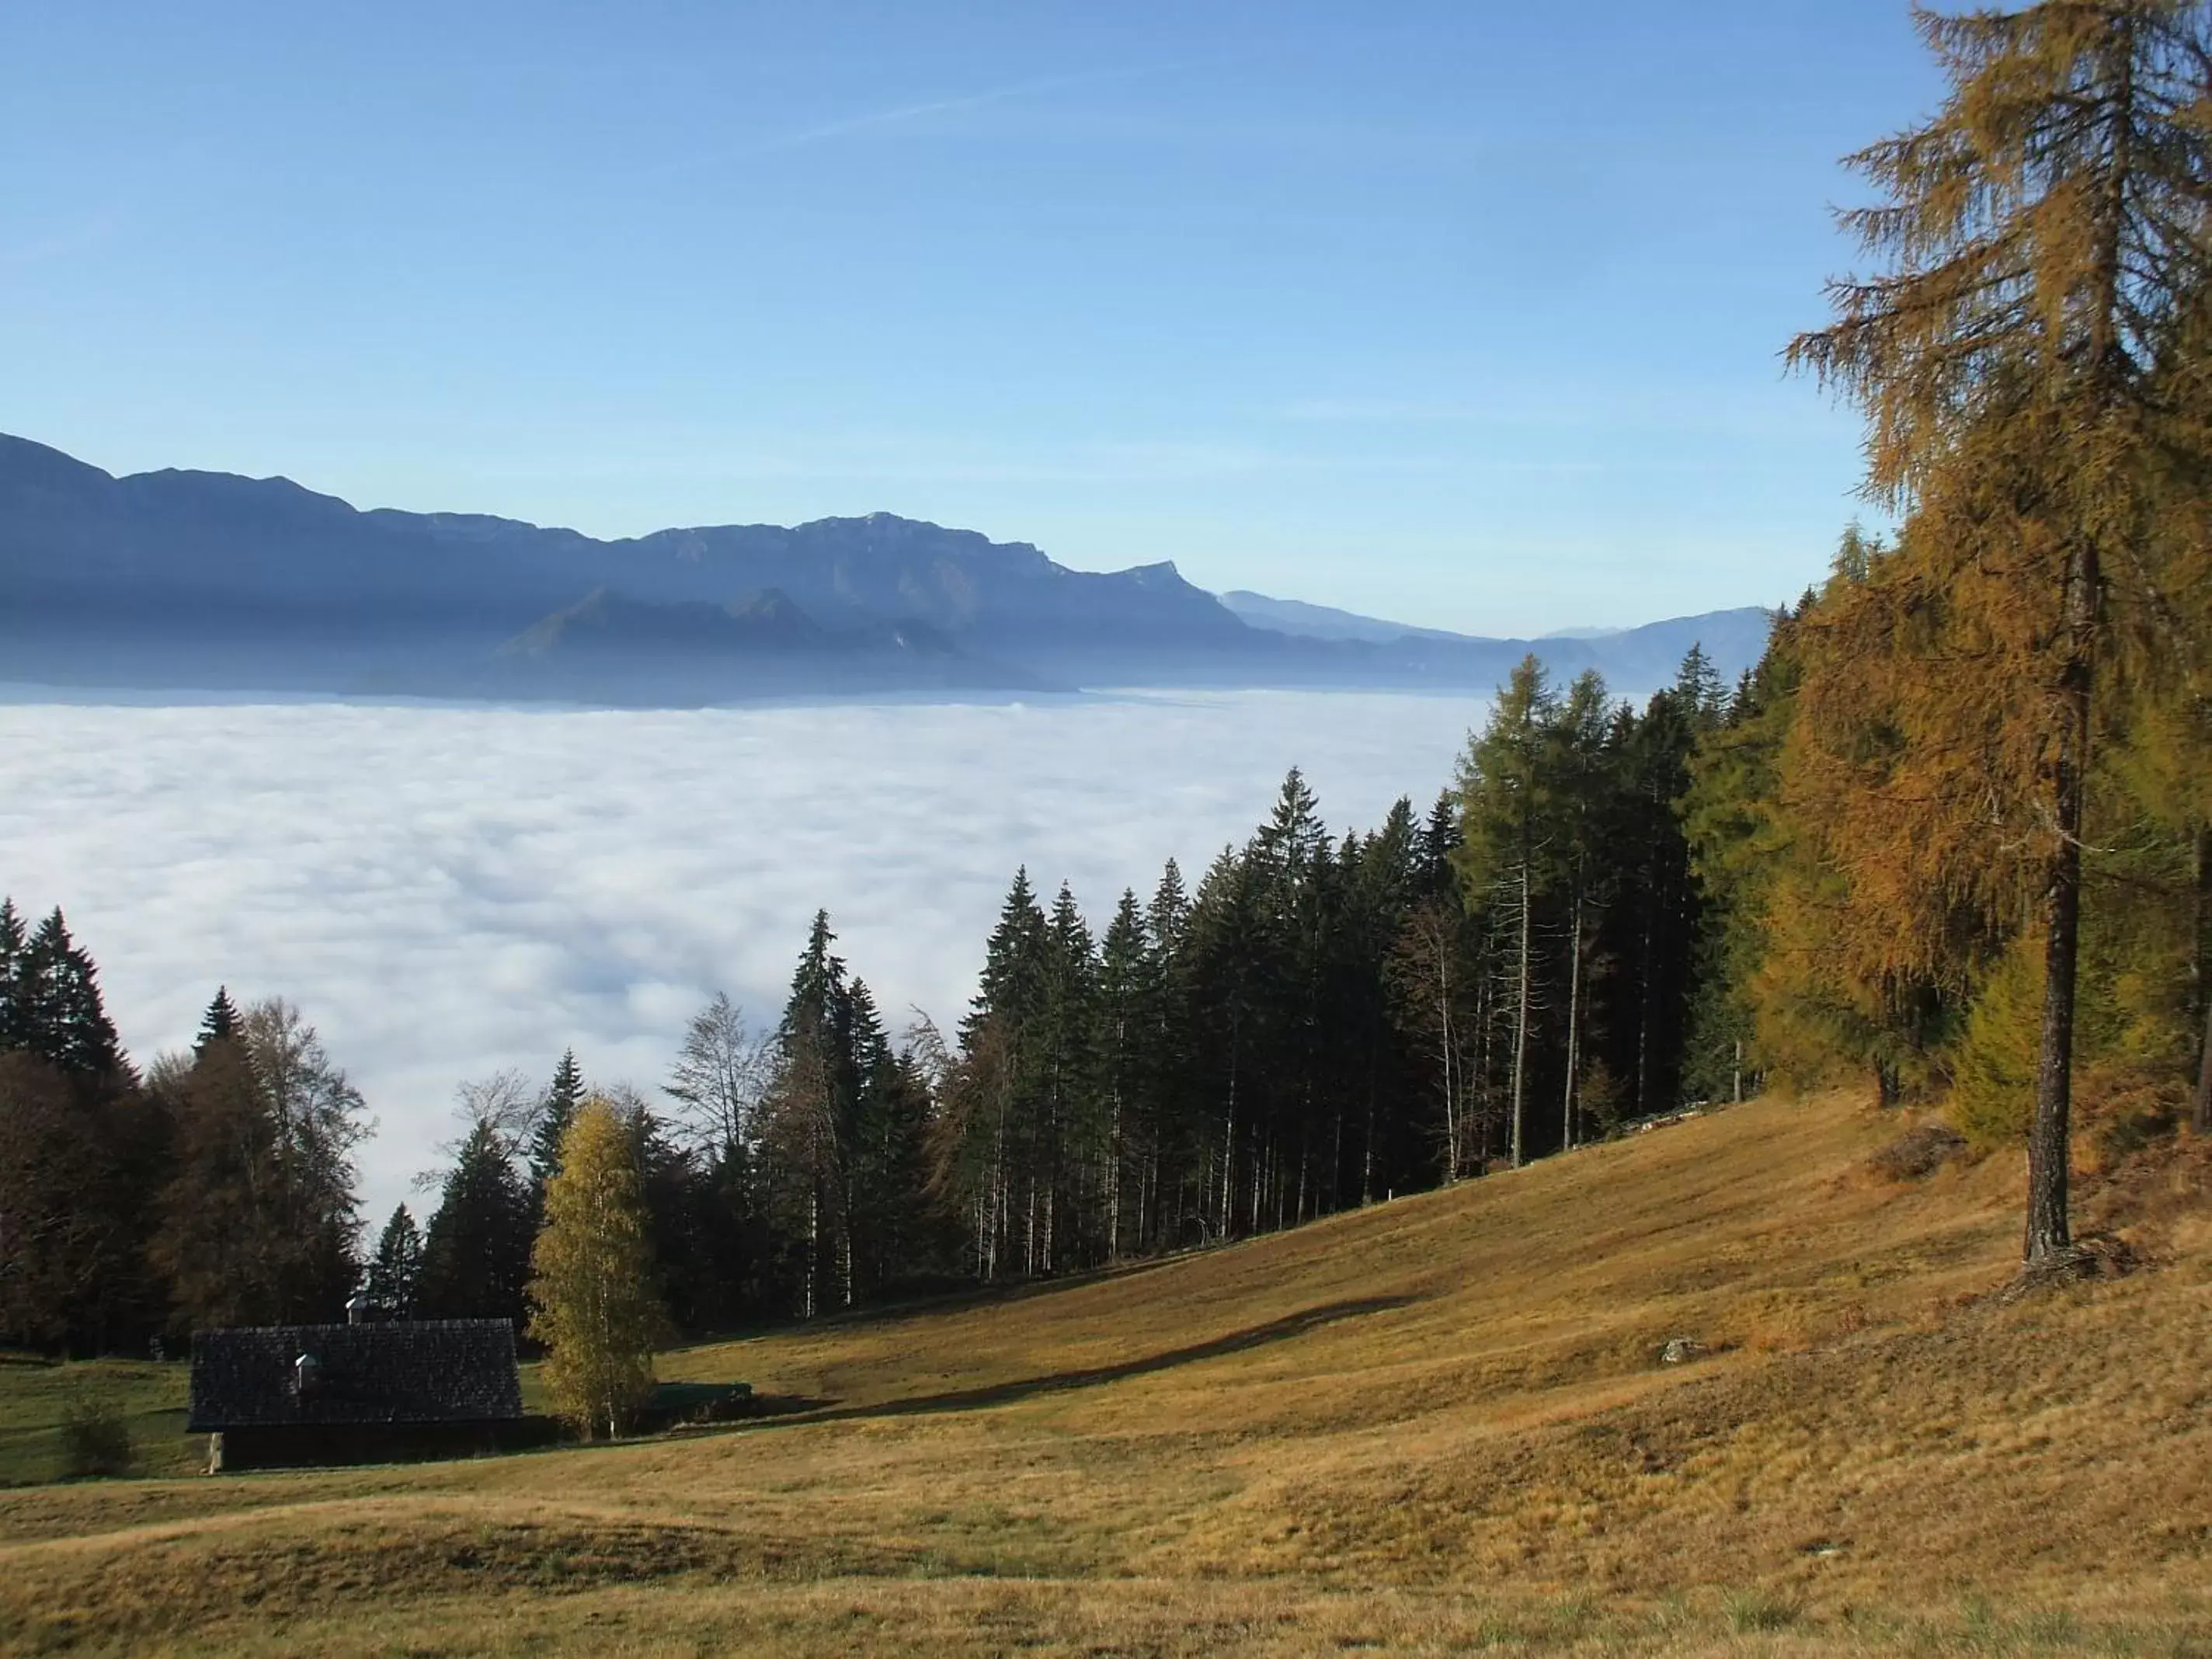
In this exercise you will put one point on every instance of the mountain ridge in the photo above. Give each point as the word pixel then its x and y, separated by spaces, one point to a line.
pixel 179 579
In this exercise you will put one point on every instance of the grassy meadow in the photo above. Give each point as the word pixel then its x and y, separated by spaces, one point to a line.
pixel 1436 1424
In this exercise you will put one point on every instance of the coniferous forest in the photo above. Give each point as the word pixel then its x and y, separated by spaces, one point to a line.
pixel 1614 913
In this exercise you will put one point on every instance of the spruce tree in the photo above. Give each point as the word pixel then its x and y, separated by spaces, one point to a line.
pixel 892 1236
pixel 1386 878
pixel 988 1152
pixel 475 1251
pixel 1508 811
pixel 1172 1066
pixel 1069 1130
pixel 1436 845
pixel 59 1008
pixel 1738 846
pixel 562 1098
pixel 806 1129
pixel 1234 979
pixel 1585 784
pixel 219 1022
pixel 14 943
pixel 1125 1015
pixel 396 1270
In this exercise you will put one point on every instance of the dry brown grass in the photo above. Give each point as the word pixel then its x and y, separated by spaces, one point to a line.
pixel 1439 1424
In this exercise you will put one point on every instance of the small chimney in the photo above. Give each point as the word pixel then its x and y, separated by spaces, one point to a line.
pixel 359 1309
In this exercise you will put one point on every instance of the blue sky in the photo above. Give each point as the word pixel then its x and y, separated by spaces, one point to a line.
pixel 1462 313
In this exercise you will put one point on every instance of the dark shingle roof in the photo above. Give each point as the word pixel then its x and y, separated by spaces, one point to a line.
pixel 418 1370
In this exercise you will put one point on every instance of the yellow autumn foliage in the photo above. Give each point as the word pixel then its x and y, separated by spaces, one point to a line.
pixel 591 1290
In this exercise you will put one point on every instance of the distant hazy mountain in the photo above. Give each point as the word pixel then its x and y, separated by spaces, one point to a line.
pixel 179 580
pixel 608 648
pixel 1322 622
pixel 1632 659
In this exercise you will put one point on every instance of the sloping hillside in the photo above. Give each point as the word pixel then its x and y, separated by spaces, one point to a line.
pixel 1443 1421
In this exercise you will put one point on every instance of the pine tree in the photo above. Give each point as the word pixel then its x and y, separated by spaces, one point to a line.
pixel 2044 231
pixel 1125 1011
pixel 1295 864
pixel 563 1096
pixel 899 1236
pixel 1068 1131
pixel 1660 910
pixel 1172 1067
pixel 1584 785
pixel 219 1022
pixel 1235 973
pixel 1385 871
pixel 988 1152
pixel 1505 864
pixel 58 1011
pixel 396 1270
pixel 591 1293
pixel 475 1251
pixel 1732 820
pixel 1436 844
pixel 14 943
pixel 806 1135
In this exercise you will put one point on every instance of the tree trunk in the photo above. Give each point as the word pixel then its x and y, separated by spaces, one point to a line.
pixel 1574 1023
pixel 2201 1119
pixel 1114 1175
pixel 1521 1016
pixel 1229 1140
pixel 1445 1043
pixel 814 1240
pixel 1367 1150
pixel 1646 921
pixel 2201 967
pixel 2048 1138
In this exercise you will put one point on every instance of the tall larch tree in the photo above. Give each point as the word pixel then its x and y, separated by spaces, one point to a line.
pixel 2045 239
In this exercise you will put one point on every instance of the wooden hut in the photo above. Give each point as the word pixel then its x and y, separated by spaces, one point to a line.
pixel 365 1391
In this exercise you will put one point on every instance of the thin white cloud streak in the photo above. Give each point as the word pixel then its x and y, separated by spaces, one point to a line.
pixel 449 892
pixel 900 115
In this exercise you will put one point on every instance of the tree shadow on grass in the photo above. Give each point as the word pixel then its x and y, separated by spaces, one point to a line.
pixel 788 1407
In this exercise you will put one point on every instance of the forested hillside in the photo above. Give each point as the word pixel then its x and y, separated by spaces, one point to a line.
pixel 1320 1020
pixel 1952 837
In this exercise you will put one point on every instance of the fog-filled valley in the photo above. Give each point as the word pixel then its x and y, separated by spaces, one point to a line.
pixel 448 890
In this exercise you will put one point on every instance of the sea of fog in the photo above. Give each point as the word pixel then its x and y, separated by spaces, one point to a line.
pixel 445 891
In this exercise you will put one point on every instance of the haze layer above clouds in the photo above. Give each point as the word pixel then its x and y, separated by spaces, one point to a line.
pixel 445 891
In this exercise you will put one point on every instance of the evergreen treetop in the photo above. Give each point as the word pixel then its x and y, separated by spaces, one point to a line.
pixel 219 1022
